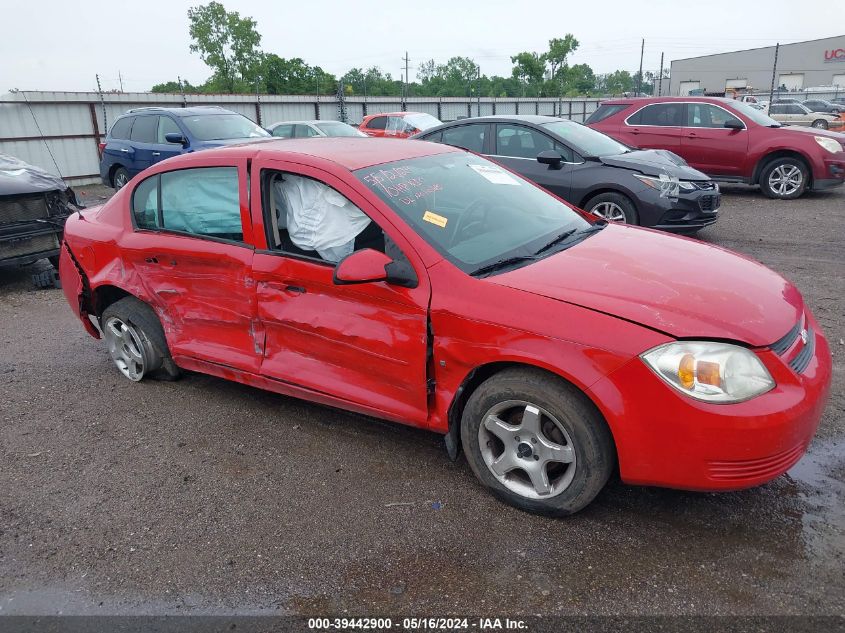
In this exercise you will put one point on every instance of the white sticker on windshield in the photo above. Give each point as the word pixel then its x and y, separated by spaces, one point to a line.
pixel 495 175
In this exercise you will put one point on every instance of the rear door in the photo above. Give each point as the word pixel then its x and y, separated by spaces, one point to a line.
pixel 119 150
pixel 655 126
pixel 516 146
pixel 365 344
pixel 711 147
pixel 144 139
pixel 191 248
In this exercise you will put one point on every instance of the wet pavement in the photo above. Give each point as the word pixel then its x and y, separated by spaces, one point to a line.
pixel 203 496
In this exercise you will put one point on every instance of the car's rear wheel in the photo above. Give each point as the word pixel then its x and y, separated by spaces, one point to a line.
pixel 536 442
pixel 613 207
pixel 821 124
pixel 120 178
pixel 784 178
pixel 136 341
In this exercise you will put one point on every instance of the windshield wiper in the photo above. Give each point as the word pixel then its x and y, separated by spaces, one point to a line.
pixel 557 240
pixel 502 263
pixel 583 233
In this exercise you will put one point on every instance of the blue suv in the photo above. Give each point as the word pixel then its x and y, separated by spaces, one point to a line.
pixel 145 136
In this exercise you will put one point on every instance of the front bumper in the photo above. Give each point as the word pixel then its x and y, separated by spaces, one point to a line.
pixel 832 172
pixel 27 243
pixel 687 213
pixel 664 438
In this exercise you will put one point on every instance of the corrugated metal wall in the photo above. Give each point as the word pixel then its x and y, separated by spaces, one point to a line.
pixel 71 124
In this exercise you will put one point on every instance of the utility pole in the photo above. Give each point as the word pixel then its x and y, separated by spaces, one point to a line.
pixel 640 75
pixel 774 73
pixel 660 78
pixel 478 88
pixel 407 81
pixel 120 78
pixel 182 91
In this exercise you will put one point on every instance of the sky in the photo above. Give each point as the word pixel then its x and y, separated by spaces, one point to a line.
pixel 60 45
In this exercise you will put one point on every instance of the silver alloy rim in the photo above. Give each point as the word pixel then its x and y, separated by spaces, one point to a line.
pixel 527 449
pixel 125 348
pixel 785 179
pixel 609 211
pixel 819 124
pixel 120 180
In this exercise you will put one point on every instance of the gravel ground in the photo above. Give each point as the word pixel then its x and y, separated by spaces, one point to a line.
pixel 204 496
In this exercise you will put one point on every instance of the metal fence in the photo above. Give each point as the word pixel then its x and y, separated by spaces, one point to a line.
pixel 60 131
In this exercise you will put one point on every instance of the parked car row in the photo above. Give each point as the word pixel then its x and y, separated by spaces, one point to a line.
pixel 799 114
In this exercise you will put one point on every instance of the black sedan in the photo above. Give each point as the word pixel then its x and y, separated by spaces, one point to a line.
pixel 653 188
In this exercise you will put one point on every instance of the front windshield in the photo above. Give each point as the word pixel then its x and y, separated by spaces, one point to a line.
pixel 471 210
pixel 336 128
pixel 422 121
pixel 584 140
pixel 218 127
pixel 758 116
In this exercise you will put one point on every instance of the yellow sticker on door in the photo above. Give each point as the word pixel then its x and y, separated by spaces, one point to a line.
pixel 439 220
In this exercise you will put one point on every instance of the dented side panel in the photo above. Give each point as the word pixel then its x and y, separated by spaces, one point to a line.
pixel 74 286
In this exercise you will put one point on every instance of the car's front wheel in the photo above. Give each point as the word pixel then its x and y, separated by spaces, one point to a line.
pixel 537 442
pixel 821 124
pixel 136 341
pixel 784 178
pixel 613 207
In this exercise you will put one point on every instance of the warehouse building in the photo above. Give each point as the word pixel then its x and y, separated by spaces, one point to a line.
pixel 800 66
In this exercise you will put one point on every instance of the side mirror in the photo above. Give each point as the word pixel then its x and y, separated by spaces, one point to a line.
pixel 362 267
pixel 176 138
pixel 551 158
pixel 733 124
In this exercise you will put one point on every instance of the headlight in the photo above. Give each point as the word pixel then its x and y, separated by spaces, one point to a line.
pixel 830 144
pixel 715 372
pixel 668 186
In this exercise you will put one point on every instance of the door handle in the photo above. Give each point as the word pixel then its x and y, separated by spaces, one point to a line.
pixel 295 289
pixel 124 150
pixel 284 287
pixel 156 153
pixel 692 135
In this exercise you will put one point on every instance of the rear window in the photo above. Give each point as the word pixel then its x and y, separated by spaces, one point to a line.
pixel 605 111
pixel 121 127
pixel 145 129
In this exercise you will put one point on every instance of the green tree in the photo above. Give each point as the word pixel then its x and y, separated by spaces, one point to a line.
pixel 528 69
pixel 559 49
pixel 579 80
pixel 228 43
pixel 173 86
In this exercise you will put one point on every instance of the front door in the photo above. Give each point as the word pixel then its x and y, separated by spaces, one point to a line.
pixel 516 147
pixel 191 256
pixel 711 147
pixel 163 149
pixel 364 344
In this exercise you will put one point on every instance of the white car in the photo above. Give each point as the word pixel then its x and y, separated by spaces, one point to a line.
pixel 309 129
pixel 797 114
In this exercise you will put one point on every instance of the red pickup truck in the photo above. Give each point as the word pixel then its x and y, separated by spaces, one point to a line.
pixel 730 141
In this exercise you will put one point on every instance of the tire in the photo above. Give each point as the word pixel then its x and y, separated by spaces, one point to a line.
pixel 820 124
pixel 784 179
pixel 54 261
pixel 120 178
pixel 136 341
pixel 613 207
pixel 525 400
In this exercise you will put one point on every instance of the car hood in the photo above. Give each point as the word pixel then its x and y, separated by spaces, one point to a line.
pixel 813 131
pixel 654 162
pixel 678 286
pixel 18 177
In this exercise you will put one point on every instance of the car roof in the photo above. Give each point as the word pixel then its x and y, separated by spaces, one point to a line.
pixel 307 122
pixel 649 100
pixel 400 114
pixel 504 118
pixel 349 152
pixel 180 112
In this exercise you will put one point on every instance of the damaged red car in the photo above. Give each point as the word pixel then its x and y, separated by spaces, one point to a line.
pixel 422 284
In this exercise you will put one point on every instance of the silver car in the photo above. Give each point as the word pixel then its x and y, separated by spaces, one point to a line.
pixel 309 129
pixel 798 114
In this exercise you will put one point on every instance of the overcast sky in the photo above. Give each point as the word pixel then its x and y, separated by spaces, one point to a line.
pixel 61 45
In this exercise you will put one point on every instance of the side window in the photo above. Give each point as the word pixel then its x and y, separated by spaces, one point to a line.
pixel 396 125
pixel 706 115
pixel 567 153
pixel 145 129
pixel 166 125
pixel 309 218
pixel 469 137
pixel 775 109
pixel 662 115
pixel 305 131
pixel 121 127
pixel 437 137
pixel 603 112
pixel 204 201
pixel 521 142
pixel 378 123
pixel 283 131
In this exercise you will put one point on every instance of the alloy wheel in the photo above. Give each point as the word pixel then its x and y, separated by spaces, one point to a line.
pixel 125 348
pixel 527 449
pixel 120 179
pixel 609 211
pixel 786 179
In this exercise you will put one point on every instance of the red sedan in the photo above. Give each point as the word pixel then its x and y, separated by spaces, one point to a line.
pixel 422 284
pixel 729 141
pixel 397 124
